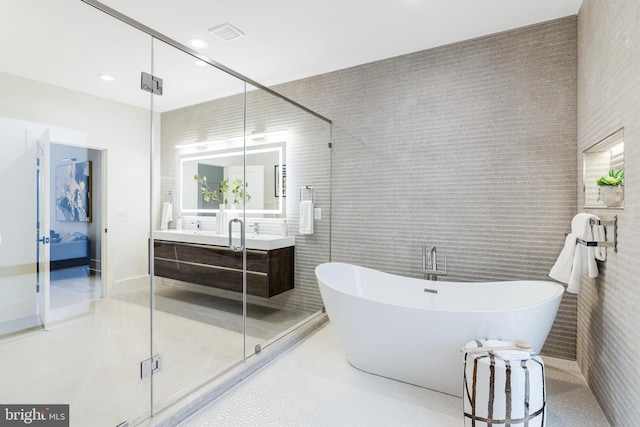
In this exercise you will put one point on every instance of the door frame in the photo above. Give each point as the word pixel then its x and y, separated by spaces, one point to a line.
pixel 43 224
pixel 44 299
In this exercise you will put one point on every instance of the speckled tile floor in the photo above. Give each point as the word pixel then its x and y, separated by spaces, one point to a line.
pixel 90 358
pixel 314 385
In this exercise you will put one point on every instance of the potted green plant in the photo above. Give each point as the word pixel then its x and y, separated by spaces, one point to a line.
pixel 611 188
pixel 240 192
pixel 211 196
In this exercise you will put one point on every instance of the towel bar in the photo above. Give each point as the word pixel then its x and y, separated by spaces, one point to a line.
pixel 603 244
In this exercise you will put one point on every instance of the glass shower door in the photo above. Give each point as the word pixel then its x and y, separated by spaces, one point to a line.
pixel 225 282
pixel 293 145
pixel 198 265
pixel 87 355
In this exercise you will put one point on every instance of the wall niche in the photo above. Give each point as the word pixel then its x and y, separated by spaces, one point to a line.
pixel 599 160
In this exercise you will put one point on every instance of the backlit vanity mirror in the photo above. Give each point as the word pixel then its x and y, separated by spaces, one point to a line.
pixel 265 179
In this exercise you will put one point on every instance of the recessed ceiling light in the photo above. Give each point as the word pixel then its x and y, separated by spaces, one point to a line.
pixel 106 77
pixel 226 32
pixel 200 63
pixel 198 44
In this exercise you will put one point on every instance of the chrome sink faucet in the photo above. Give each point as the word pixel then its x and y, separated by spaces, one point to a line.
pixel 256 228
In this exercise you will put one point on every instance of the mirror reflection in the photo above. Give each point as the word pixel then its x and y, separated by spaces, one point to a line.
pixel 218 177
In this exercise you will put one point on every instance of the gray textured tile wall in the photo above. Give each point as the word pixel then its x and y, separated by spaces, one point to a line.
pixel 469 147
pixel 608 99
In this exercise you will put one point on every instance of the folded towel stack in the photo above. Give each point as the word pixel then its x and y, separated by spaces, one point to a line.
pixel 576 260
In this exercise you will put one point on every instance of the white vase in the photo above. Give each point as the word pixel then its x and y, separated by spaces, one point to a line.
pixel 612 195
pixel 221 219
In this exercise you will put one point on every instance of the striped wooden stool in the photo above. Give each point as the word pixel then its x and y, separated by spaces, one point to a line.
pixel 503 388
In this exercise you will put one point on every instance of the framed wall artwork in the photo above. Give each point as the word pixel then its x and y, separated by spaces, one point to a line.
pixel 73 192
pixel 277 181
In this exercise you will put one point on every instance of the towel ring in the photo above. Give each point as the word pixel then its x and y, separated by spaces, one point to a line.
pixel 308 188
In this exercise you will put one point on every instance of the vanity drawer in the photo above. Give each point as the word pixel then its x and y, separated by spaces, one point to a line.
pixel 211 255
pixel 268 272
pixel 229 279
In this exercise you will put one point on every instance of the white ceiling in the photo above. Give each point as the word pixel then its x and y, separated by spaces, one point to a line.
pixel 284 40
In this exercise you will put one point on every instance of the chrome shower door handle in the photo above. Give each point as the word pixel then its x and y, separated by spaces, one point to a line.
pixel 236 248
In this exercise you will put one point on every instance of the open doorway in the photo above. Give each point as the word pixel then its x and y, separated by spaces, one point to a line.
pixel 33 154
pixel 75 233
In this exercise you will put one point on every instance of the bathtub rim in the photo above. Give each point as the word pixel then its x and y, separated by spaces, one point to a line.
pixel 559 291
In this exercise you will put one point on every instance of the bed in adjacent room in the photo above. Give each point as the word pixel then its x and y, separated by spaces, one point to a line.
pixel 72 250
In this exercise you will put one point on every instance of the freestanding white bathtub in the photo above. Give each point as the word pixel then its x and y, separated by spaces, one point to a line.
pixel 411 330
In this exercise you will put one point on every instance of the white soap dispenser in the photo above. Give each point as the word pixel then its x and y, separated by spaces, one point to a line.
pixel 285 229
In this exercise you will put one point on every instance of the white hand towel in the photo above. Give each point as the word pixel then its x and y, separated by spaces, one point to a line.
pixel 561 270
pixel 576 260
pixel 575 282
pixel 306 217
pixel 167 215
pixel 599 236
pixel 588 262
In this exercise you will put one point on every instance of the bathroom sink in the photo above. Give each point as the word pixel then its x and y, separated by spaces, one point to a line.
pixel 252 241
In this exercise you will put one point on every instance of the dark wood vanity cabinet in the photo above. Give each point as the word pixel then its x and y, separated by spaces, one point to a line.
pixel 269 272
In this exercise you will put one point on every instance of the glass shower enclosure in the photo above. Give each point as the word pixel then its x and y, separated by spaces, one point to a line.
pixel 126 281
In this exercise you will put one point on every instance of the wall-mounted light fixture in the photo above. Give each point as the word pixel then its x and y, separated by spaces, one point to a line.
pixel 252 139
pixel 199 145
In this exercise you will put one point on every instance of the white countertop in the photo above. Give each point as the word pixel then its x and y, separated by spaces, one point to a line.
pixel 260 241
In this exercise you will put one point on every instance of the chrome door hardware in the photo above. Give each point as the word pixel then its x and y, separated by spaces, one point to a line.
pixel 236 248
pixel 151 83
pixel 149 366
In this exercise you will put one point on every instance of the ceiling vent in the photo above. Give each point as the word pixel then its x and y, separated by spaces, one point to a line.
pixel 226 32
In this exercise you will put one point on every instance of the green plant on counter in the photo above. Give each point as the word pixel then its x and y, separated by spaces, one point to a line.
pixel 210 196
pixel 614 178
